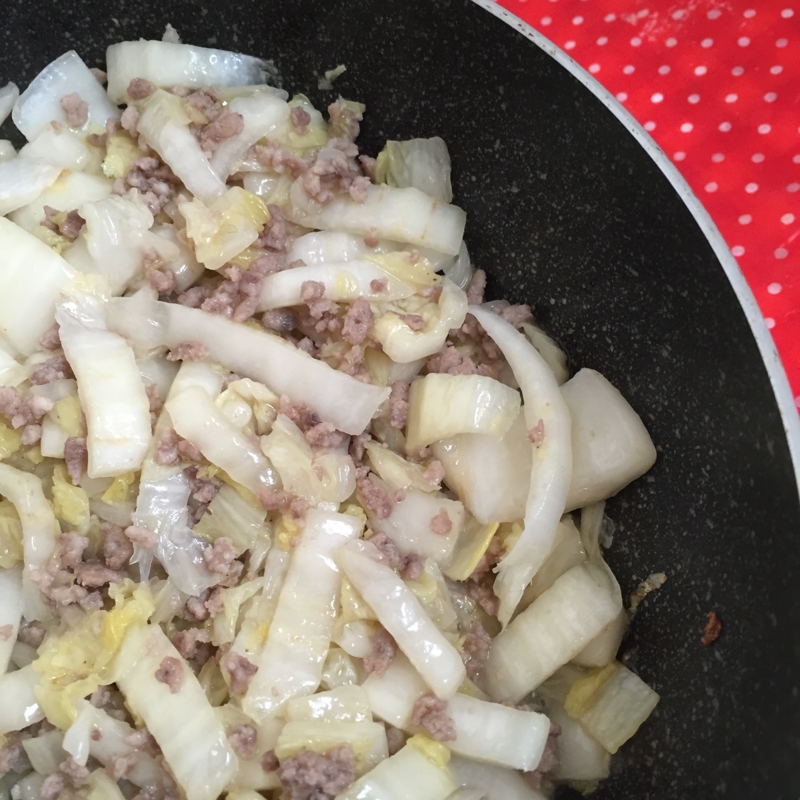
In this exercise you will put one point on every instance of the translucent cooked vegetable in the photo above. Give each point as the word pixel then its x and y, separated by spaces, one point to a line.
pixel 39 532
pixel 442 405
pixel 102 787
pixel 225 227
pixel 62 149
pixel 549 351
pixel 421 163
pixel 551 631
pixel 18 704
pixel 292 659
pixel 179 716
pixel 547 413
pixel 396 471
pixel 399 611
pixel 343 704
pixel 611 446
pixel 326 247
pixel 196 418
pixel 402 344
pixel 401 215
pixel 184 265
pixel 110 387
pixel 8 96
pixel 494 782
pixel 27 308
pixel 115 240
pixel 168 64
pixel 28 787
pixel 230 515
pixel 339 399
pixel 165 127
pixel 45 752
pixel 407 775
pixel 41 103
pixel 262 113
pixel 392 695
pixel 367 738
pixel 22 180
pixel 580 757
pixel 344 281
pixel 162 503
pixel 10 612
pixel 423 523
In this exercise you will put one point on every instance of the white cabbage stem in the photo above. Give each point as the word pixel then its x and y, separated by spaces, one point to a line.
pixel 110 388
pixel 399 611
pixel 552 459
pixel 183 721
pixel 40 103
pixel 195 417
pixel 10 613
pixel 401 215
pixel 18 704
pixel 22 180
pixel 168 64
pixel 551 631
pixel 339 399
pixel 292 660
pixel 492 781
pixel 344 282
pixel 8 96
pixel 27 308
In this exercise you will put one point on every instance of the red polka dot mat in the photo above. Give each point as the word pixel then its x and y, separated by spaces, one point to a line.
pixel 717 85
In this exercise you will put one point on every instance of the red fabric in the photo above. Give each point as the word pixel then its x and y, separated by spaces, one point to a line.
pixel 717 85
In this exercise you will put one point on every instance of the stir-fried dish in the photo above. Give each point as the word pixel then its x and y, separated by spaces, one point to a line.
pixel 288 509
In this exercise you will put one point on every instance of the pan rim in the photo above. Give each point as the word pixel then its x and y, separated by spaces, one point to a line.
pixel 758 327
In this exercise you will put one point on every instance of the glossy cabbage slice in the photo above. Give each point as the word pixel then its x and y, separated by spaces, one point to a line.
pixel 10 613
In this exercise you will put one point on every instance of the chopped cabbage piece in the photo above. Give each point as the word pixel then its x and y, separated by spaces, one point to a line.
pixel 492 781
pixel 442 405
pixel 291 662
pixel 18 704
pixel 229 514
pixel 8 96
pixel 110 388
pixel 421 163
pixel 70 503
pixel 22 180
pixel 10 613
pixel 343 704
pixel 339 399
pixel 10 536
pixel 399 611
pixel 45 751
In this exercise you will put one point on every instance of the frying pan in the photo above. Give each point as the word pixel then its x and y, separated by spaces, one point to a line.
pixel 573 209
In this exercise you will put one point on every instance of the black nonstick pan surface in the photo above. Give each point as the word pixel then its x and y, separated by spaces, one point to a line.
pixel 569 212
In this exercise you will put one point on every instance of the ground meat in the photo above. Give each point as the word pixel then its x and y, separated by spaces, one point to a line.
pixel 71 225
pixel 299 413
pixel 227 125
pixel 440 523
pixel 203 491
pixel 188 351
pixel 483 594
pixel 548 761
pixel 384 649
pixel 413 567
pixel 75 109
pixel 269 761
pixel 30 633
pixel 517 314
pixel 395 738
pixel 312 294
pixel 357 322
pixel 189 451
pixel 31 434
pixel 300 120
pixel 368 166
pixel 220 555
pixel 434 472
pixel 414 321
pixel 359 189
pixel 139 88
pixel 214 602
pixel 118 767
pixel 274 234
pixel 536 433
pixel 117 547
pixel 52 786
pixel 74 772
pixel 100 697
pixel 195 608
pixel 312 776
pixel 379 285
pixel 279 159
pixel 167 448
pixel 97 139
pixel 129 119
pixel 279 319
pixel 332 172
pixel 389 550
pixel 143 740
pixel 51 338
pixel 94 574
pixel 70 549
pixel 244 740
pixel 344 119
pixel 186 642
pixel 476 287
pixel 712 630
pixel 398 404
pixel 155 182
pixel 241 671
pixel 375 497
pixel 12 754
pixel 273 499
pixel 431 714
pixel 476 649
pixel 325 436
pixel 194 297
pixel 203 105
pixel 142 536
pixel 170 672
pixel 76 456
pixel 494 552
pixel 163 281
pixel 54 369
